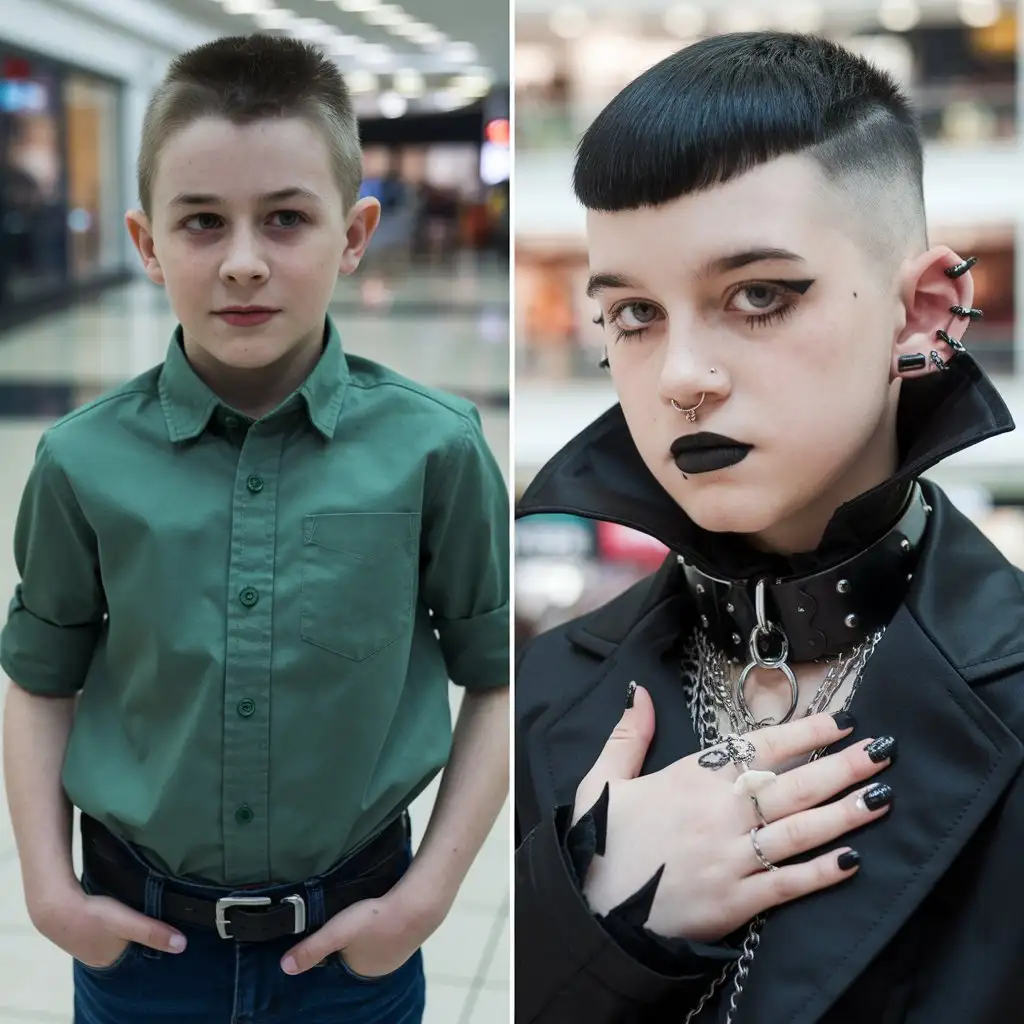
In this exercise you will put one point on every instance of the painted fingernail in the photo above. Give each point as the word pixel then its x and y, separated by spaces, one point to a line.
pixel 961 268
pixel 964 311
pixel 917 361
pixel 883 749
pixel 955 345
pixel 876 797
pixel 630 694
pixel 848 860
pixel 844 720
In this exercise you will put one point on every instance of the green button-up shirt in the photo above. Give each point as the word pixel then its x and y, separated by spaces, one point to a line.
pixel 260 617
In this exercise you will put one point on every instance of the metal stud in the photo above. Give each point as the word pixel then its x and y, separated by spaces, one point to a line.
pixel 736 638
pixel 700 588
pixel 843 587
pixel 801 609
pixel 730 608
pixel 851 621
pixel 680 560
pixel 910 577
pixel 704 621
pixel 905 544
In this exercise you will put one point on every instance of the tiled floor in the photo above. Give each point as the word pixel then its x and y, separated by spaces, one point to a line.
pixel 447 331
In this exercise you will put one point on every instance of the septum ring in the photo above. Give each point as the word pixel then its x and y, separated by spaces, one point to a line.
pixel 759 853
pixel 691 413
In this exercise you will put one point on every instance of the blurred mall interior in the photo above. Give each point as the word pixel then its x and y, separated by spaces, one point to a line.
pixel 959 59
pixel 430 85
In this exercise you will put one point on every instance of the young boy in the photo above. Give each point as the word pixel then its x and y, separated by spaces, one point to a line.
pixel 717 825
pixel 247 578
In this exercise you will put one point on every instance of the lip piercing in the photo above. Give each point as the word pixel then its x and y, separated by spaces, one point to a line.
pixel 955 345
pixel 961 268
pixel 973 314
pixel 691 413
pixel 917 361
pixel 937 360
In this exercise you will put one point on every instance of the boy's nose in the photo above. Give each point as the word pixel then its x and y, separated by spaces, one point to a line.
pixel 244 263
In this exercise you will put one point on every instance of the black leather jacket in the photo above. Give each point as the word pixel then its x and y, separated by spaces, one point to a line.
pixel 930 930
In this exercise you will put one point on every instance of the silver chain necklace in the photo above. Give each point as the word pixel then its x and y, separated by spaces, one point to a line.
pixel 708 684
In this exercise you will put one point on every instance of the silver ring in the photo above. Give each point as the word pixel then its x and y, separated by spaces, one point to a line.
pixel 757 810
pixel 794 692
pixel 765 862
pixel 732 750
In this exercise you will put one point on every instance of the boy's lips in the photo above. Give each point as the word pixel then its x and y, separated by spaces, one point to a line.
pixel 246 316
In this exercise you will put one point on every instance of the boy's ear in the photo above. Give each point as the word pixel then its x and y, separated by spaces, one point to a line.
pixel 362 221
pixel 142 238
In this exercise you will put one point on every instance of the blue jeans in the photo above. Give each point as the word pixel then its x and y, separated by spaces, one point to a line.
pixel 219 981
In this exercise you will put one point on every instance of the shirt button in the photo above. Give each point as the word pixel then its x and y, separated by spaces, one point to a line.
pixel 246 707
pixel 244 814
pixel 255 484
pixel 231 422
pixel 248 597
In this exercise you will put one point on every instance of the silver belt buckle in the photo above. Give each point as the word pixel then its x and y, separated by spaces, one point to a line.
pixel 227 902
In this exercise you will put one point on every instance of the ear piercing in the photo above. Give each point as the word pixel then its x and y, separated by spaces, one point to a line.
pixel 691 413
pixel 603 364
pixel 955 345
pixel 917 361
pixel 937 361
pixel 961 268
pixel 973 314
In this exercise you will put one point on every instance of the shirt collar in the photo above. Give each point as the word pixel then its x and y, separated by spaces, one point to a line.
pixel 188 403
pixel 600 475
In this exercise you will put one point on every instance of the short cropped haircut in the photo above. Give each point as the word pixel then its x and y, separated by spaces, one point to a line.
pixel 726 104
pixel 249 78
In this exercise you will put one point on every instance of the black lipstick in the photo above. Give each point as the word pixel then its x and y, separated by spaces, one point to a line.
pixel 705 452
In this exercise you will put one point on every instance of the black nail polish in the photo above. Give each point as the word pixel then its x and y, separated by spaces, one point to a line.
pixel 844 720
pixel 955 345
pixel 937 360
pixel 878 796
pixel 883 749
pixel 917 361
pixel 961 268
pixel 630 694
pixel 973 314
pixel 848 860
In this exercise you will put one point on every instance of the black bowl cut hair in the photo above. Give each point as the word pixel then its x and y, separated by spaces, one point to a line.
pixel 720 107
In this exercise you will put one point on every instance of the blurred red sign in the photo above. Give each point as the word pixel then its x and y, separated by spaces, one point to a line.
pixel 498 131
pixel 617 543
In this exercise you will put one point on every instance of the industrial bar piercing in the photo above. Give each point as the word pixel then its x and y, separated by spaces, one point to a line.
pixel 955 345
pixel 973 314
pixel 961 268
pixel 937 360
pixel 917 361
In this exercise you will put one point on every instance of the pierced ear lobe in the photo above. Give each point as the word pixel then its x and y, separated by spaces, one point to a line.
pixel 911 363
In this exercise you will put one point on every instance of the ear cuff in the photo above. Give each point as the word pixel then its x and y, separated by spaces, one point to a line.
pixel 961 268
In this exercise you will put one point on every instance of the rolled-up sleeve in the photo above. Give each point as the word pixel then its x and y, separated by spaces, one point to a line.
pixel 465 566
pixel 57 611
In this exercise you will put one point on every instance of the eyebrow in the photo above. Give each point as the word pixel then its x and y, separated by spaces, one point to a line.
pixel 208 199
pixel 719 265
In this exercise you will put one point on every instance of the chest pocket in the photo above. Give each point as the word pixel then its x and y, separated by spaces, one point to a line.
pixel 358 580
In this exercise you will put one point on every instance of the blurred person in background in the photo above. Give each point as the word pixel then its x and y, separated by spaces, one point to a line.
pixel 741 843
pixel 247 578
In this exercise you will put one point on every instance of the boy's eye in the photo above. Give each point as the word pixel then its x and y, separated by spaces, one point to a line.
pixel 203 222
pixel 289 218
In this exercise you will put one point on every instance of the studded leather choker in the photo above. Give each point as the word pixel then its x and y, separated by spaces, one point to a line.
pixel 823 614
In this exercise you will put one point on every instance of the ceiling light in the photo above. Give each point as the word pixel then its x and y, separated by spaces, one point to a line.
pixel 472 85
pixel 246 6
pixel 409 82
pixel 344 46
pixel 448 99
pixel 360 81
pixel 392 105
pixel 377 54
pixel 800 16
pixel 685 20
pixel 461 53
pixel 387 15
pixel 979 13
pixel 899 15
pixel 357 6
pixel 569 22
pixel 274 19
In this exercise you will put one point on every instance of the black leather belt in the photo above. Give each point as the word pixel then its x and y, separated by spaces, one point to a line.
pixel 368 874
